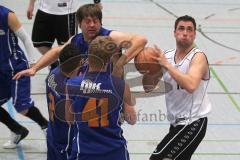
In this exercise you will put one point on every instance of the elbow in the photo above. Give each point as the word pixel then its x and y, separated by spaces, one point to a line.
pixel 132 122
pixel 191 89
pixel 143 40
pixel 131 119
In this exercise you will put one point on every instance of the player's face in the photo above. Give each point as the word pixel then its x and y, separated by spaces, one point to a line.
pixel 90 27
pixel 185 34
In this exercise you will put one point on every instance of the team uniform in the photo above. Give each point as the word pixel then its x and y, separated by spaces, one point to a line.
pixel 12 60
pixel 78 40
pixel 55 19
pixel 97 100
pixel 187 113
pixel 59 133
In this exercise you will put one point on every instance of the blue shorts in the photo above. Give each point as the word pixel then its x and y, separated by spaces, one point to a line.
pixel 54 154
pixel 18 90
pixel 118 154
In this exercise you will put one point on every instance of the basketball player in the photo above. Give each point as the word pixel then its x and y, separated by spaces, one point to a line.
pixel 186 69
pixel 13 60
pixel 59 133
pixel 55 19
pixel 90 21
pixel 97 99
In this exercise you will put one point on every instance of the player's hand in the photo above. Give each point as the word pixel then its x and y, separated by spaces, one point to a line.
pixel 162 60
pixel 31 65
pixel 27 72
pixel 30 12
pixel 150 82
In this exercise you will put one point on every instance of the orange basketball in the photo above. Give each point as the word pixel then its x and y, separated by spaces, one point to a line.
pixel 145 63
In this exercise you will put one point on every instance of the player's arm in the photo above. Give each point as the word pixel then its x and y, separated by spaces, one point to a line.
pixel 191 80
pixel 129 106
pixel 30 9
pixel 47 59
pixel 15 25
pixel 137 43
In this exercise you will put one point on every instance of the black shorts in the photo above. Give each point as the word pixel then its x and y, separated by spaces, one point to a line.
pixel 181 141
pixel 48 27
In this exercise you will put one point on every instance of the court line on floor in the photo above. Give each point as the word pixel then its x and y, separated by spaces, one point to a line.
pixel 19 149
pixel 225 89
pixel 158 123
pixel 151 140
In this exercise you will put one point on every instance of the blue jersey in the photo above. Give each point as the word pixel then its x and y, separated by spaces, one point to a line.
pixel 82 45
pixel 59 133
pixel 12 57
pixel 97 103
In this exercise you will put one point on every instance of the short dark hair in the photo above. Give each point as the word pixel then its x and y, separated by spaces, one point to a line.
pixel 100 51
pixel 89 10
pixel 185 18
pixel 69 58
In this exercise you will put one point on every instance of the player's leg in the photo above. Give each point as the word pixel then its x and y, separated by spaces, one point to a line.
pixel 118 154
pixel 53 153
pixel 43 31
pixel 23 102
pixel 178 142
pixel 18 131
pixel 201 127
pixel 65 27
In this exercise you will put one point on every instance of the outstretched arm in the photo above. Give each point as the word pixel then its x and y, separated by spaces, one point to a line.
pixel 44 61
pixel 135 43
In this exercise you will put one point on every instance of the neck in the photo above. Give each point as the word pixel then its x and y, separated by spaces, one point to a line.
pixel 182 51
pixel 69 75
pixel 97 69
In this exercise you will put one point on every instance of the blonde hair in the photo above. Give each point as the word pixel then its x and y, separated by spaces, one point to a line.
pixel 100 51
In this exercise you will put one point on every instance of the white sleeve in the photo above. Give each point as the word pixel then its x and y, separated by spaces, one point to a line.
pixel 27 42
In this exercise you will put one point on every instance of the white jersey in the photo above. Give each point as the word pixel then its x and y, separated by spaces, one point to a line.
pixel 184 107
pixel 59 7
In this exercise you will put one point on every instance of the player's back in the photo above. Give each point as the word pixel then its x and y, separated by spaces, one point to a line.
pixel 59 132
pixel 97 100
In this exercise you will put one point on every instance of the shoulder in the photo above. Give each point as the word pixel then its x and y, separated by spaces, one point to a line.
pixel 198 55
pixel 105 32
pixel 169 53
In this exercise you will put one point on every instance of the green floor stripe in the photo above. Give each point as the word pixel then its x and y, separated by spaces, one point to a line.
pixel 225 89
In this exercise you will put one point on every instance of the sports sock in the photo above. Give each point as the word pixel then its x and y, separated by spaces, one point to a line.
pixel 34 114
pixel 5 118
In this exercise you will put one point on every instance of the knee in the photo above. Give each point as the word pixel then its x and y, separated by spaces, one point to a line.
pixel 24 112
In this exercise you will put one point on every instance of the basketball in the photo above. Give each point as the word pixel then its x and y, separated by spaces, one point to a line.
pixel 145 63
